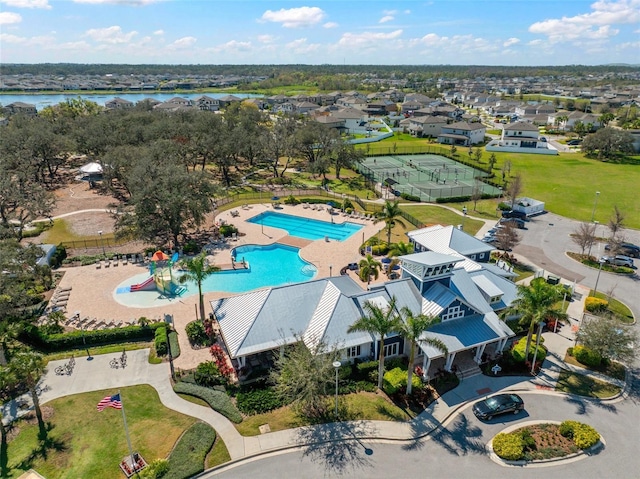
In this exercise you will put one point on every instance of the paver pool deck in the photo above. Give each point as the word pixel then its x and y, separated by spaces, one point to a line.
pixel 93 289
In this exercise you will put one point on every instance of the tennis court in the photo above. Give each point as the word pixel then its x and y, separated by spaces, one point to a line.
pixel 427 176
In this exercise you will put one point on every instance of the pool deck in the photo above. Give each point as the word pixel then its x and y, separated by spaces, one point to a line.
pixel 92 293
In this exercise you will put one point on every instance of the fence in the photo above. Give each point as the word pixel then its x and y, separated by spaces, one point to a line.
pixel 100 243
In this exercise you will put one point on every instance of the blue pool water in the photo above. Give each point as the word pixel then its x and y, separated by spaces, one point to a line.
pixel 271 265
pixel 306 228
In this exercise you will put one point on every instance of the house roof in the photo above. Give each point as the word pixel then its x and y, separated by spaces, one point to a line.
pixel 463 125
pixel 522 126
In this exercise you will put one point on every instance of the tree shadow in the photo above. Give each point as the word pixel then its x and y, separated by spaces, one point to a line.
pixel 460 438
pixel 43 449
pixel 337 446
pixel 584 405
pixel 420 427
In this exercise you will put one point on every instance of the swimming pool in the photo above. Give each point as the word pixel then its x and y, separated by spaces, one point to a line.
pixel 271 265
pixel 307 228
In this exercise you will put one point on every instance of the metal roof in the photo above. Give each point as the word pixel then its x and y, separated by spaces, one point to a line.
pixel 486 285
pixel 436 299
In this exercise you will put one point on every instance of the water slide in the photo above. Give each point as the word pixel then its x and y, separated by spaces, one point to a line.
pixel 147 285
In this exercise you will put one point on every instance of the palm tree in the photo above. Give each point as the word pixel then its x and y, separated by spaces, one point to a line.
pixel 398 249
pixel 534 304
pixel 390 215
pixel 379 321
pixel 369 266
pixel 28 366
pixel 197 270
pixel 411 328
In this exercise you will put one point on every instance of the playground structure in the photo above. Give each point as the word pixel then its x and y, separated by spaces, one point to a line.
pixel 426 176
pixel 162 276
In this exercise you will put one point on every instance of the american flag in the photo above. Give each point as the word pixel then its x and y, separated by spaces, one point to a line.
pixel 110 401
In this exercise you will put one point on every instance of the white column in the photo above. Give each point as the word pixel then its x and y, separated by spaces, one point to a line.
pixel 426 364
pixel 242 361
pixel 449 363
pixel 479 352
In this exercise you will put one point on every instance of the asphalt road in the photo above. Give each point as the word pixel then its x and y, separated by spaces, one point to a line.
pixel 459 449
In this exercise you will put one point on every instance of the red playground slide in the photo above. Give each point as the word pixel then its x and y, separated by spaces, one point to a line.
pixel 147 285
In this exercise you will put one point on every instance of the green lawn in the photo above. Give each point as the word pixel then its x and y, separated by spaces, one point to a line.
pixel 619 309
pixel 430 214
pixel 582 385
pixel 90 444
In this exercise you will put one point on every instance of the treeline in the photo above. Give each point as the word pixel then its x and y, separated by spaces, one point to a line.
pixel 311 72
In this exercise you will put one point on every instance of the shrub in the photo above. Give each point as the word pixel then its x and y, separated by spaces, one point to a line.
pixel 570 351
pixel 567 428
pixel 208 375
pixel 365 369
pixel 219 401
pixel 396 379
pixel 585 436
pixel 508 446
pixel 595 305
pixel 528 441
pixel 59 255
pixel 220 359
pixel 517 352
pixel 291 200
pixel 587 356
pixel 347 204
pixel 155 470
pixel 408 197
pixel 228 230
pixel 258 401
pixel 188 455
pixel 175 345
pixel 66 341
pixel 191 247
pixel 160 341
pixel 396 362
pixel 196 333
pixel 380 249
pixel 454 199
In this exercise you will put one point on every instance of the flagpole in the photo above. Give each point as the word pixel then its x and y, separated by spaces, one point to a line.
pixel 126 431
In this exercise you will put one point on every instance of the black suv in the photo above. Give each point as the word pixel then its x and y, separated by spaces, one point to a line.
pixel 627 249
pixel 515 214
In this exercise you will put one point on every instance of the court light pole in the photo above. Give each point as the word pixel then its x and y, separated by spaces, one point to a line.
pixel 595 203
pixel 102 243
pixel 330 270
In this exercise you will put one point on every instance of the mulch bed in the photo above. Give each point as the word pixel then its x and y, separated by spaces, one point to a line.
pixel 549 443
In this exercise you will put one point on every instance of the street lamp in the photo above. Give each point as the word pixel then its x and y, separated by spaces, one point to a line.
pixel 595 203
pixel 464 215
pixel 84 343
pixel 337 364
pixel 330 270
pixel 101 243
pixel 595 289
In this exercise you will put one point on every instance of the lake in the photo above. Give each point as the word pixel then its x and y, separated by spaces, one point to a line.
pixel 47 99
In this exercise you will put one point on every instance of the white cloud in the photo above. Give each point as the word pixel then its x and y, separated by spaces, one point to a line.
pixel 295 17
pixel 407 12
pixel 456 44
pixel 134 3
pixel 596 25
pixel 7 18
pixel 386 18
pixel 511 41
pixel 266 38
pixel 43 40
pixel 389 12
pixel 183 42
pixel 330 25
pixel 159 32
pixel 8 38
pixel 367 38
pixel 112 35
pixel 27 3
pixel 301 47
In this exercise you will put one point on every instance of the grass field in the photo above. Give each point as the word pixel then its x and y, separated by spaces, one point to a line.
pixel 430 214
pixel 90 444
pixel 575 383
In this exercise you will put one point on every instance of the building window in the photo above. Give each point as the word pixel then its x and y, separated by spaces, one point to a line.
pixel 390 350
pixel 452 313
pixel 353 352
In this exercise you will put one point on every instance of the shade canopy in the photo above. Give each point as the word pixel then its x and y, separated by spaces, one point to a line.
pixel 92 168
pixel 159 256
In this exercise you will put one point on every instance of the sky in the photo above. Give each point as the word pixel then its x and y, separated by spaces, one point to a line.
pixel 391 32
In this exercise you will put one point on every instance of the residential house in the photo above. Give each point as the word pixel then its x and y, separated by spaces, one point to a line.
pixel 20 108
pixel 226 100
pixel 521 137
pixel 304 107
pixel 118 104
pixel 566 120
pixel 426 126
pixel 352 102
pixel 206 103
pixel 462 134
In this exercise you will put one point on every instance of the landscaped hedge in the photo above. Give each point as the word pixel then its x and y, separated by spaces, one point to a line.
pixel 73 340
pixel 595 305
pixel 258 401
pixel 408 197
pixel 196 333
pixel 175 345
pixel 161 341
pixel 587 356
pixel 188 455
pixel 583 435
pixel 508 446
pixel 218 400
pixel 519 348
pixel 396 379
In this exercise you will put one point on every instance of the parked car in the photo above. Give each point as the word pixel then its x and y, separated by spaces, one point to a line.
pixel 490 239
pixel 514 214
pixel 618 260
pixel 515 222
pixel 574 142
pixel 627 249
pixel 498 404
